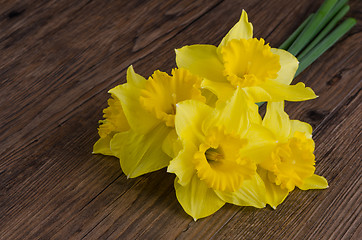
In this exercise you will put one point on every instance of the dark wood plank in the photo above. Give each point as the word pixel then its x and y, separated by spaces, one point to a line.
pixel 58 59
pixel 52 179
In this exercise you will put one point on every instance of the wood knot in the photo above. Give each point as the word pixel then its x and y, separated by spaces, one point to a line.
pixel 335 79
pixel 15 13
pixel 316 116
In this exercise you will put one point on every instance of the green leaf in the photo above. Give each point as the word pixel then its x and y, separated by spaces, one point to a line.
pixel 325 31
pixel 319 20
pixel 286 44
pixel 324 45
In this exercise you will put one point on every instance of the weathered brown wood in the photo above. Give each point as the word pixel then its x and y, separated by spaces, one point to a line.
pixel 59 58
pixel 23 173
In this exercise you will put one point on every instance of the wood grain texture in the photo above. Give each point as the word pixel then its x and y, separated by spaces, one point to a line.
pixel 59 58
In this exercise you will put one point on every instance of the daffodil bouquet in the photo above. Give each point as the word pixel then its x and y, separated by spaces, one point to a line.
pixel 202 122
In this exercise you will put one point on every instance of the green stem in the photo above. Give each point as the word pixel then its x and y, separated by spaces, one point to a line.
pixel 325 44
pixel 295 34
pixel 312 28
pixel 325 31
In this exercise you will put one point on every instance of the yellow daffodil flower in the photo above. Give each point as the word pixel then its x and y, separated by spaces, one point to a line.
pixel 114 122
pixel 286 159
pixel 139 125
pixel 213 166
pixel 240 60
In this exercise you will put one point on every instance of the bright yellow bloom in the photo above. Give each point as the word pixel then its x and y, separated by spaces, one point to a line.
pixel 114 122
pixel 264 73
pixel 139 122
pixel 213 166
pixel 162 92
pixel 286 160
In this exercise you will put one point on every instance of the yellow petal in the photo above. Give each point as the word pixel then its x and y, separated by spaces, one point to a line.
pixel 275 195
pixel 260 135
pixel 242 29
pixel 237 112
pixel 172 145
pixel 277 121
pixel 140 154
pixel 223 90
pixel 197 199
pixel 189 118
pixel 102 146
pixel 261 145
pixel 258 94
pixel 298 126
pixel 314 182
pixel 289 65
pixel 139 119
pixel 182 165
pixel 135 79
pixel 201 60
pixel 252 193
pixel 280 92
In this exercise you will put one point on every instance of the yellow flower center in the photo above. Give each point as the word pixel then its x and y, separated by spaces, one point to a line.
pixel 115 120
pixel 292 162
pixel 219 164
pixel 162 92
pixel 248 62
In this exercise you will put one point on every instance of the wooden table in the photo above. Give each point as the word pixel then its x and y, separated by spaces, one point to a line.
pixel 59 58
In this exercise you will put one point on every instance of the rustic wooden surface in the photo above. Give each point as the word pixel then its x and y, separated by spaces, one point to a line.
pixel 59 58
